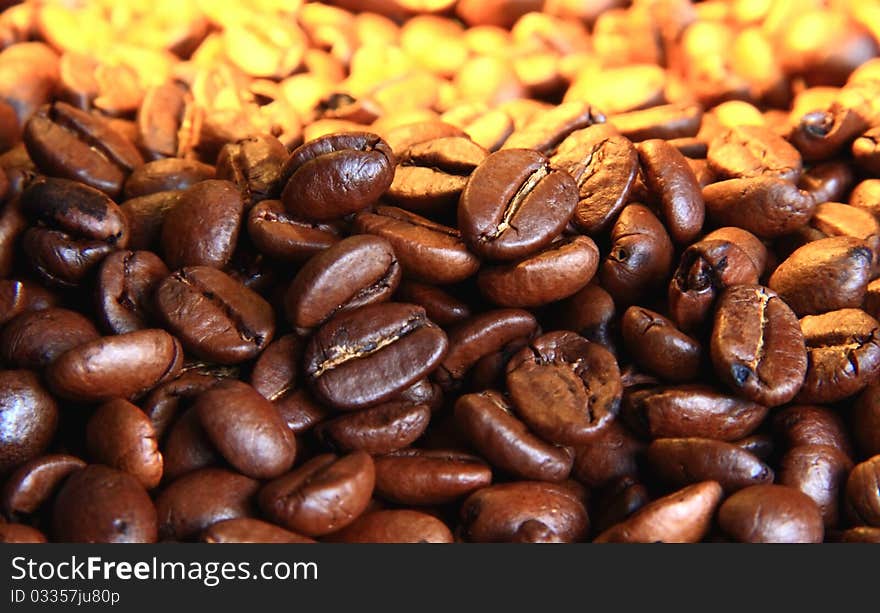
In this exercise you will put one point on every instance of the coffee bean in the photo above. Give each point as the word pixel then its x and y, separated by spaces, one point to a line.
pixel 20 533
pixel 254 164
pixel 683 461
pixel 592 314
pixel 752 151
pixel 419 478
pixel 612 453
pixel 440 306
pixel 20 296
pixel 828 182
pixel 805 425
pixel 145 216
pixel 169 174
pixel 666 121
pixel 553 127
pixel 659 347
pixel 862 496
pixel 126 282
pixel 861 534
pixel 34 483
pixel 28 418
pixel 765 206
pixel 820 472
pixel 381 429
pixel 279 235
pixel 163 404
pixel 250 530
pixel 747 242
pixel 395 526
pixel 162 119
pixel 121 436
pixel 187 448
pixel 771 514
pixel 35 339
pixel 618 501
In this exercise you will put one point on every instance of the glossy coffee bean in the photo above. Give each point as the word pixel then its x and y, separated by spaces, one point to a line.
pixel 395 526
pixel 548 130
pixel 592 314
pixel 659 347
pixel 514 205
pixel 684 516
pixel 281 236
pixel 215 316
pixel 20 534
pixel 36 481
pixel 167 400
pixel 767 207
pixel 103 505
pixel 419 478
pixel 28 418
pixel 820 472
pixel 364 357
pixel 337 174
pixel 862 494
pixel 666 121
pixel 121 436
pixel 440 306
pixel 250 530
pixel 126 282
pixel 866 421
pixel 524 511
pixel 246 429
pixel 18 296
pixel 771 514
pixel 861 534
pixel 806 425
pixel 125 366
pixel 35 339
pixel 323 495
pixel 757 346
pixel 564 387
pixel 750 244
pixel 683 461
pixel 254 164
pixel 186 447
pixel 354 272
pixel 169 174
pixel 381 429
pixel 613 453
pixel 751 151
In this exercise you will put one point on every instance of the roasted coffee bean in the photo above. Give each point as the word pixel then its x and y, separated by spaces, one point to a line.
pixel 127 366
pixel 545 133
pixel 28 418
pixel 364 357
pixel 757 346
pixel 35 339
pixel 488 128
pixel 862 493
pixel 337 174
pixel 771 514
pixel 254 164
pixel 557 272
pixel 611 454
pixel 524 511
pixel 691 410
pixel 246 429
pixel 121 436
pixel 66 142
pixel 753 151
pixel 394 526
pixel 837 219
pixel 440 306
pixel 488 422
pixel 20 533
pixel 514 205
pixel 355 272
pixel 684 516
pixel 162 121
pixel 657 346
pixel 324 495
pixel 861 534
pixel 604 165
pixel 819 134
pixel 103 505
pixel 820 472
pixel 170 174
pixel 281 236
pixel 126 281
pixel 215 316
pixel 683 461
pixel 866 421
pixel 804 425
pixel 828 182
pixel 381 429
pixel 640 257
pixel 430 176
pixel 163 404
pixel 419 478
pixel 202 228
pixel 672 182
pixel 34 483
pixel 250 530
pixel 592 314
pixel 202 498
pixel 145 216
pixel 18 296
pixel 427 251
pixel 866 151
pixel 616 502
pixel 843 353
pixel 667 121
pixel 187 448
pixel 767 207
pixel 564 387
pixel 480 336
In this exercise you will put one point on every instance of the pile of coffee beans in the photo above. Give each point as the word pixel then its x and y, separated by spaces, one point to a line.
pixel 440 270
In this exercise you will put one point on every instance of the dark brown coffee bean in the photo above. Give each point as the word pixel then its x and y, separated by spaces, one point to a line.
pixel 354 272
pixel 564 387
pixel 757 346
pixel 524 511
pixel 126 281
pixel 281 236
pixel 843 349
pixel 36 338
pixel 427 251
pixel 20 533
pixel 121 436
pixel 866 421
pixel 34 483
pixel 28 418
pixel 254 164
pixel 250 530
pixel 440 306
pixel 746 241
pixel 337 174
pixel 667 121
pixel 480 336
pixel 202 498
pixel 753 151
pixel 66 142
pixel 640 257
pixel 828 182
pixel 382 429
pixel 866 195
pixel 364 357
pixel 592 314
pixel 820 134
pixel 863 494
pixel 514 205
pixel 202 229
pixel 617 502
pixel 611 454
pixel 765 206
pixel 102 505
pixel 804 425
pixel 820 472
pixel 164 175
pixel 548 130
pixel 692 410
pixel 323 495
pixel 604 165
pixel 683 461
pixel 771 514
pixel 488 422
pixel 837 219
pixel 163 404
pixel 124 366
pixel 417 477
pixel 215 316
pixel 186 447
pixel 161 121
pixel 145 216
pixel 246 429
pixel 684 516
pixel 395 526
pixel 672 182
pixel 659 347
pixel 29 74
pixel 555 273
pixel 17 297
